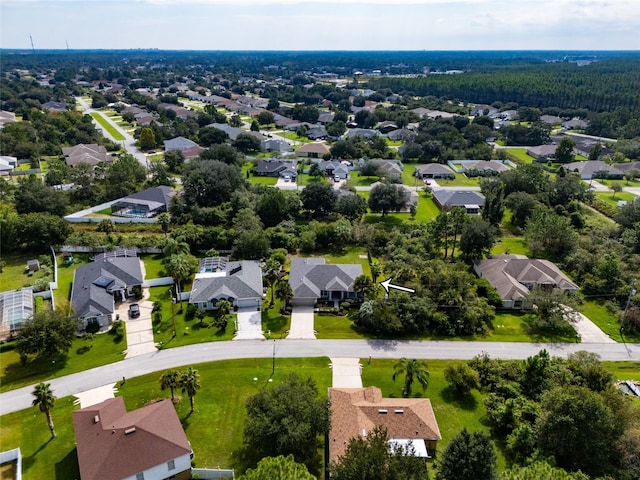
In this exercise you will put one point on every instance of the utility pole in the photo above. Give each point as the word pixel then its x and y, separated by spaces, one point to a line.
pixel 273 363
pixel 33 49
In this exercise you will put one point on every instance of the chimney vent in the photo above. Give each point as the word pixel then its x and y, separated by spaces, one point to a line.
pixel 129 431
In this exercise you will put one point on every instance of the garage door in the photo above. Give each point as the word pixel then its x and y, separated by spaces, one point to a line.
pixel 248 302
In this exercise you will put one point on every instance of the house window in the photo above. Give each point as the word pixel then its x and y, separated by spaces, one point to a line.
pixel 171 464
pixel 324 294
pixel 140 476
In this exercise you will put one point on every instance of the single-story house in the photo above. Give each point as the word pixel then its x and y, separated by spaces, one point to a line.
pixel 16 307
pixel 7 164
pixel 316 133
pixel 402 134
pixel 91 153
pixel 325 118
pixel 583 146
pixel 54 106
pixel 178 143
pixel 625 167
pixel 313 150
pixel 484 168
pixel 363 133
pixel 425 112
pixel 238 282
pixel 147 203
pixel 483 109
pixel 386 168
pixel 542 152
pixel 6 117
pixel 335 168
pixel 145 444
pixel 434 170
pixel 277 168
pixel 447 199
pixel 357 411
pixel 98 285
pixel 275 145
pixel 387 126
pixel 594 169
pixel 312 279
pixel 513 276
pixel 575 124
pixel 551 119
pixel 410 194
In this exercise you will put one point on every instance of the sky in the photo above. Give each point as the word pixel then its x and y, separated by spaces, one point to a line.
pixel 322 24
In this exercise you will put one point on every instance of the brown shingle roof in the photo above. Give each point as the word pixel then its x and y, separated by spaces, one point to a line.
pixel 107 452
pixel 356 411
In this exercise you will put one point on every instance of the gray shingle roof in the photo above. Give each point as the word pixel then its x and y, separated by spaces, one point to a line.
pixel 450 198
pixel 88 297
pixel 239 280
pixel 309 276
pixel 178 143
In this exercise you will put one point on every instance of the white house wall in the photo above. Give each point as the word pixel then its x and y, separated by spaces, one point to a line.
pixel 162 472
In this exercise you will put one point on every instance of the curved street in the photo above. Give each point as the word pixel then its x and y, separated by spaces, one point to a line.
pixel 20 399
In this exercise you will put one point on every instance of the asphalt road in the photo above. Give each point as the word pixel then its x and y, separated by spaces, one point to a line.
pixel 129 143
pixel 20 399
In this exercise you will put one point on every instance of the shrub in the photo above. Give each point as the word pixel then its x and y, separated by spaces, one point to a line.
pixel 191 312
pixel 137 291
pixel 93 326
pixel 118 330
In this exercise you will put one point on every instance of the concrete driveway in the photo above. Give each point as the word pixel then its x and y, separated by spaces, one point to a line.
pixel 589 331
pixel 282 185
pixel 302 323
pixel 139 330
pixel 346 373
pixel 249 324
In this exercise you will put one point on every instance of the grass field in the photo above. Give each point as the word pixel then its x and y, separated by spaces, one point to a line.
pixel 608 322
pixel 622 183
pixel 294 136
pixel 612 198
pixel 83 355
pixel 425 212
pixel 460 181
pixel 14 274
pixel 520 155
pixel 107 126
pixel 513 245
pixel 258 180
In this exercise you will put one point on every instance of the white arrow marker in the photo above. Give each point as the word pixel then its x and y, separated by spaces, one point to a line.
pixel 387 285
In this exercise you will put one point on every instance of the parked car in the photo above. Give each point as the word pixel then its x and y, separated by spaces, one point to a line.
pixel 134 310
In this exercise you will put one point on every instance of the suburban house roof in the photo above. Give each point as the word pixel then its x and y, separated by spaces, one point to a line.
pixel 551 119
pixel 512 275
pixel 266 167
pixel 575 123
pixel 485 165
pixel 392 167
pixel 274 144
pixel 357 411
pixel 235 280
pixel 16 307
pixel 93 284
pixel 434 169
pixel 55 106
pixel 113 444
pixel 591 168
pixel 402 134
pixel 178 143
pixel 411 194
pixel 542 151
pixel 318 148
pixel 7 117
pixel 457 198
pixel 625 167
pixel 151 199
pixel 310 276
pixel 91 153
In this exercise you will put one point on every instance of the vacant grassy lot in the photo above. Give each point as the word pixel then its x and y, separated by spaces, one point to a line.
pixel 612 198
pixel 513 245
pixel 107 126
pixel 608 322
pixel 519 155
pixel 83 355
pixel 460 181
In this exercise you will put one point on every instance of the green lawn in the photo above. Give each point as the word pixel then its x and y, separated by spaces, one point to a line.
pixel 425 212
pixel 272 320
pixel 294 136
pixel 336 327
pixel 62 294
pixel 622 183
pixel 259 180
pixel 187 331
pixel 153 265
pixel 520 155
pixel 513 245
pixel 608 322
pixel 14 274
pixel 612 198
pixel 83 355
pixel 358 181
pixel 107 126
pixel 349 255
pixel 461 180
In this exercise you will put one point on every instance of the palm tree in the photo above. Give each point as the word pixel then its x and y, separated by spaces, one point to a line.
pixel 44 400
pixel 164 220
pixel 223 308
pixel 272 270
pixel 190 384
pixel 180 267
pixel 284 293
pixel 363 285
pixel 412 370
pixel 170 380
pixel 175 246
pixel 376 270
